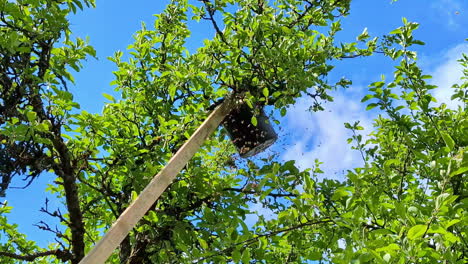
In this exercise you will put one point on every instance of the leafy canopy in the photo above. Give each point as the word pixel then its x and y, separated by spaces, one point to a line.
pixel 407 204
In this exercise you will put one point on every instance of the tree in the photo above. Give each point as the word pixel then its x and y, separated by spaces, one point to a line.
pixel 407 204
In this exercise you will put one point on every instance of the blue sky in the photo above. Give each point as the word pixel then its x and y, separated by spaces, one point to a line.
pixel 443 26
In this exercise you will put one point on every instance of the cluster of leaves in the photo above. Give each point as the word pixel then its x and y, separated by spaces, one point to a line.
pixel 35 106
pixel 33 74
pixel 406 205
pixel 166 92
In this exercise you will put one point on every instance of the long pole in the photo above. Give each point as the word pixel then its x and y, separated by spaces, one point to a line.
pixel 130 217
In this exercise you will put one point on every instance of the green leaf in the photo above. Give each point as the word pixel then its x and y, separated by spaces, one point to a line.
pixel 448 140
pixel 390 162
pixel 451 223
pixel 390 247
pixel 31 115
pixel 203 243
pixel 395 31
pixel 134 195
pixel 416 231
pixel 42 127
pixel 14 120
pixel 340 193
pixel 249 103
pixel 265 92
pixel 315 255
pixel 367 97
pixel 459 171
pixel 283 111
pixel 254 121
pixel 172 91
pixel 404 20
pixel 90 50
pixel 236 256
pixel 364 35
pixel 414 106
pixel 109 97
pixel 246 256
pixel 371 106
pixel 444 198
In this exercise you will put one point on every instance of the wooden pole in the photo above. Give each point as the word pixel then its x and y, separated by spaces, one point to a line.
pixel 130 217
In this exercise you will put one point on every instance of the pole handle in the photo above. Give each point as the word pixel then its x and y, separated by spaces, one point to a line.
pixel 138 208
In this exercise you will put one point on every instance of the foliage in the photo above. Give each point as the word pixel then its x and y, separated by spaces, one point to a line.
pixel 407 204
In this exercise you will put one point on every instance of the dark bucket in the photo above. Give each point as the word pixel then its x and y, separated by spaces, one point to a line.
pixel 249 139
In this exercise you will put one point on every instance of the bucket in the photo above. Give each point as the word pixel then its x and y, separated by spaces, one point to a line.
pixel 249 139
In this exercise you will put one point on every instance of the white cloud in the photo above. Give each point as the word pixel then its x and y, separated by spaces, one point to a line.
pixel 447 74
pixel 258 209
pixel 322 135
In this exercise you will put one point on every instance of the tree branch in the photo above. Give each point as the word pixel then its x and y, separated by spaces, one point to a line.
pixel 60 254
pixel 211 12
pixel 276 195
pixel 268 234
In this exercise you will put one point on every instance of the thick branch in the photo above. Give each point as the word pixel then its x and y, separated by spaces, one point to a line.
pixel 60 254
pixel 276 195
pixel 64 168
